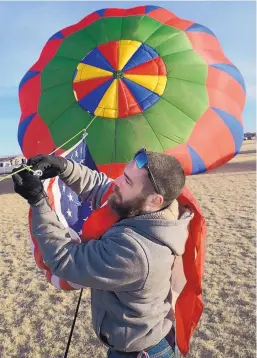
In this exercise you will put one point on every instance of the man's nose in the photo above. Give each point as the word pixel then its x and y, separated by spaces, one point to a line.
pixel 117 181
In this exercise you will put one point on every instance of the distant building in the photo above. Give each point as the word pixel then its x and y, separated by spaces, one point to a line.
pixel 7 164
pixel 19 160
pixel 249 136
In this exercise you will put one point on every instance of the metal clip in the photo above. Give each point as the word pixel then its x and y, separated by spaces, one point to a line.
pixel 38 173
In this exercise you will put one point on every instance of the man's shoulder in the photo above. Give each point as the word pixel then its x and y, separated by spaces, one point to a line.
pixel 123 230
pixel 132 238
pixel 122 233
pixel 125 236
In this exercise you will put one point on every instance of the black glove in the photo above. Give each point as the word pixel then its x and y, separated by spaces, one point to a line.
pixel 28 186
pixel 51 166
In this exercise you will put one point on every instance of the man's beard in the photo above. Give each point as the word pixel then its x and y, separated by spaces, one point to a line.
pixel 126 209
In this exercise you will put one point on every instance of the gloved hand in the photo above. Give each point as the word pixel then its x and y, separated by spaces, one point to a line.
pixel 51 166
pixel 28 186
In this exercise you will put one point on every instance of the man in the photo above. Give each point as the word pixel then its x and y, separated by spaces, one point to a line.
pixel 129 269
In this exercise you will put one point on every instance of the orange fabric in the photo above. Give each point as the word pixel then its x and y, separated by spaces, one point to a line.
pixel 203 40
pixel 162 15
pixel 224 82
pixel 224 102
pixel 181 153
pixel 179 23
pixel 212 57
pixel 189 305
pixel 217 144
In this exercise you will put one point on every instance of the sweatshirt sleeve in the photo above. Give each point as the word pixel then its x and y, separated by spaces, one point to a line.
pixel 113 263
pixel 88 184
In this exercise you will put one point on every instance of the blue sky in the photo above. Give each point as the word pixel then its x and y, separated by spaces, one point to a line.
pixel 26 26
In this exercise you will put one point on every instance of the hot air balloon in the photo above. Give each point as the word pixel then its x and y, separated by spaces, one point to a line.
pixel 139 77
pixel 147 78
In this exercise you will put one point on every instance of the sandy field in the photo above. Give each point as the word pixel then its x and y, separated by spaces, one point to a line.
pixel 35 318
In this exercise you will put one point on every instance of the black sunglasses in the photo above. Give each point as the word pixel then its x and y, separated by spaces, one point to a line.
pixel 142 162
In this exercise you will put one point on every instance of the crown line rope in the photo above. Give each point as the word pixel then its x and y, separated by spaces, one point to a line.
pixel 27 167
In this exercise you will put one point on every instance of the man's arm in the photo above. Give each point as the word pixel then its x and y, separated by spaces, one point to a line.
pixel 116 263
pixel 87 183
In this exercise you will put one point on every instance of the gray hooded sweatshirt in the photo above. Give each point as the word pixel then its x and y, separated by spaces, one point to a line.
pixel 128 269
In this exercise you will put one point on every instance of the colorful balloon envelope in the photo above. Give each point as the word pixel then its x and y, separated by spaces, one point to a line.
pixel 147 79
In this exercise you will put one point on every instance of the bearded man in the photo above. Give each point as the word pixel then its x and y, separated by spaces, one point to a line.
pixel 129 268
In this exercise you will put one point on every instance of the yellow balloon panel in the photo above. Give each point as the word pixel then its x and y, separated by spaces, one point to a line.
pixel 153 83
pixel 86 72
pixel 108 106
pixel 127 48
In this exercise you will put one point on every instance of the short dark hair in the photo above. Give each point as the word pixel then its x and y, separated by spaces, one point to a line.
pixel 168 174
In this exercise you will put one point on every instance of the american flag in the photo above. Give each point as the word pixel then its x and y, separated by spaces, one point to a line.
pixel 71 211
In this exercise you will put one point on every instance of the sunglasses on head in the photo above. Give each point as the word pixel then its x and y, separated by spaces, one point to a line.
pixel 142 162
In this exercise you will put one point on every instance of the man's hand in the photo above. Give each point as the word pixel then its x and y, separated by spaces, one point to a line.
pixel 51 166
pixel 28 186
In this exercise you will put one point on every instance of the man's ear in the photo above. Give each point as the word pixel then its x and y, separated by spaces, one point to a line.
pixel 157 200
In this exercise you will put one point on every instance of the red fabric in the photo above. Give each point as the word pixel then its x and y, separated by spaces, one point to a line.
pixel 110 51
pixel 189 305
pixel 48 52
pixel 33 85
pixel 83 88
pixel 139 10
pixel 100 220
pixel 37 138
pixel 128 105
pixel 155 67
pixel 50 193
pixel 113 170
pixel 64 285
pixel 86 21
pixel 48 275
pixel 114 12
